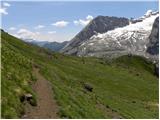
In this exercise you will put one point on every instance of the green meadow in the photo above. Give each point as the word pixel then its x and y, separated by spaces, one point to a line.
pixel 125 87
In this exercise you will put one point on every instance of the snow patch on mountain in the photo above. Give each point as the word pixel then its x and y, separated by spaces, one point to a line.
pixel 129 39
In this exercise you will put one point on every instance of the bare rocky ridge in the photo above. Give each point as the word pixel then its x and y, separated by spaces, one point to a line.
pixel 153 45
pixel 131 39
pixel 100 24
pixel 113 37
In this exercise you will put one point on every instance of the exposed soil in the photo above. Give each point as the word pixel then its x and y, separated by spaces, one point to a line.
pixel 46 105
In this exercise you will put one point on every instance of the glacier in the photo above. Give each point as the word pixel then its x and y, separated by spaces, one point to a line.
pixel 130 39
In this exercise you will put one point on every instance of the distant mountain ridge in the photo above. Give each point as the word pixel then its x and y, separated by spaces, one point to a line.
pixel 129 38
pixel 53 46
pixel 100 24
pixel 39 43
pixel 153 45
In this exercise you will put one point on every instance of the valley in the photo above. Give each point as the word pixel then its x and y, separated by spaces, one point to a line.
pixel 126 87
pixel 79 59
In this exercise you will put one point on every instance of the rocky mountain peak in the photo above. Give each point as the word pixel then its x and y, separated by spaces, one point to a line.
pixel 130 39
pixel 100 24
pixel 108 36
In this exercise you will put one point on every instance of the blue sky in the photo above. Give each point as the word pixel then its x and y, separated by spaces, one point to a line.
pixel 60 21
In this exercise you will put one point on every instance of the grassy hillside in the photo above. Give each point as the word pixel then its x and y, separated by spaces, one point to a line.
pixel 122 88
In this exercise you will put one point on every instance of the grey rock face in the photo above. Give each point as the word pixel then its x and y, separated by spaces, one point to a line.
pixel 100 24
pixel 131 39
pixel 157 69
pixel 131 42
pixel 153 46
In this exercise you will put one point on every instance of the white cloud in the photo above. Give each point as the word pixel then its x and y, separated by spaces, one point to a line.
pixel 39 27
pixel 3 11
pixel 83 22
pixel 12 28
pixel 76 22
pixel 60 24
pixel 6 4
pixel 89 17
pixel 38 33
pixel 26 34
pixel 148 12
pixel 15 35
pixel 29 35
pixel 51 32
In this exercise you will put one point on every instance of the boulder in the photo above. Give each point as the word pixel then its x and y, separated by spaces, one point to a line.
pixel 88 87
pixel 26 97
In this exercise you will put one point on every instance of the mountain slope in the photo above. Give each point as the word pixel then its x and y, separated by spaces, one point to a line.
pixel 55 46
pixel 39 43
pixel 153 45
pixel 131 39
pixel 120 90
pixel 100 24
pixel 16 70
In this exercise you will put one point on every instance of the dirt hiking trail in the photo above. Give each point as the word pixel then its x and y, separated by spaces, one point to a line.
pixel 46 105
